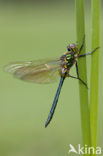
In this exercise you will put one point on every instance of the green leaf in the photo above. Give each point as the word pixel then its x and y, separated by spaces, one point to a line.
pixel 84 106
pixel 94 70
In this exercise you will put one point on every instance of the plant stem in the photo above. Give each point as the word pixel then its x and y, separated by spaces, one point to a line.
pixel 84 108
pixel 94 71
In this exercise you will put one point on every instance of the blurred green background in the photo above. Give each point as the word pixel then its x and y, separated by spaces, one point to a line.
pixel 36 30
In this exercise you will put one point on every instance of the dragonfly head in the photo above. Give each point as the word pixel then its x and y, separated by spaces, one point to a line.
pixel 73 47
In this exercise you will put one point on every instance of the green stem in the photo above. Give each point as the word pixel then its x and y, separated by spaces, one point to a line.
pixel 85 117
pixel 94 71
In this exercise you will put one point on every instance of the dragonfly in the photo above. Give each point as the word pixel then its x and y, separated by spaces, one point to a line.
pixel 48 70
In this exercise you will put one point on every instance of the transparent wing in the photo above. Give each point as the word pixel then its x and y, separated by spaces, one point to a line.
pixel 42 71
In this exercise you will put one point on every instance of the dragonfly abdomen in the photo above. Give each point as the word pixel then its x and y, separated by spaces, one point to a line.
pixel 55 101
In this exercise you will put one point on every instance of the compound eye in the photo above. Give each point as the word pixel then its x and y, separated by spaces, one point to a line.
pixel 68 48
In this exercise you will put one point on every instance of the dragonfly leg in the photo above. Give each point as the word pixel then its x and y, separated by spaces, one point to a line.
pixel 82 44
pixel 83 55
pixel 78 79
pixel 77 72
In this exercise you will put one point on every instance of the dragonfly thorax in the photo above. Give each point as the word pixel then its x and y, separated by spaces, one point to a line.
pixel 68 60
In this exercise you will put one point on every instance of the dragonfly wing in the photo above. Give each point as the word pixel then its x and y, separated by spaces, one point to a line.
pixel 44 71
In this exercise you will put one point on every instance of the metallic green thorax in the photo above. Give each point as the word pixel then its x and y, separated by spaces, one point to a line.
pixel 69 58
